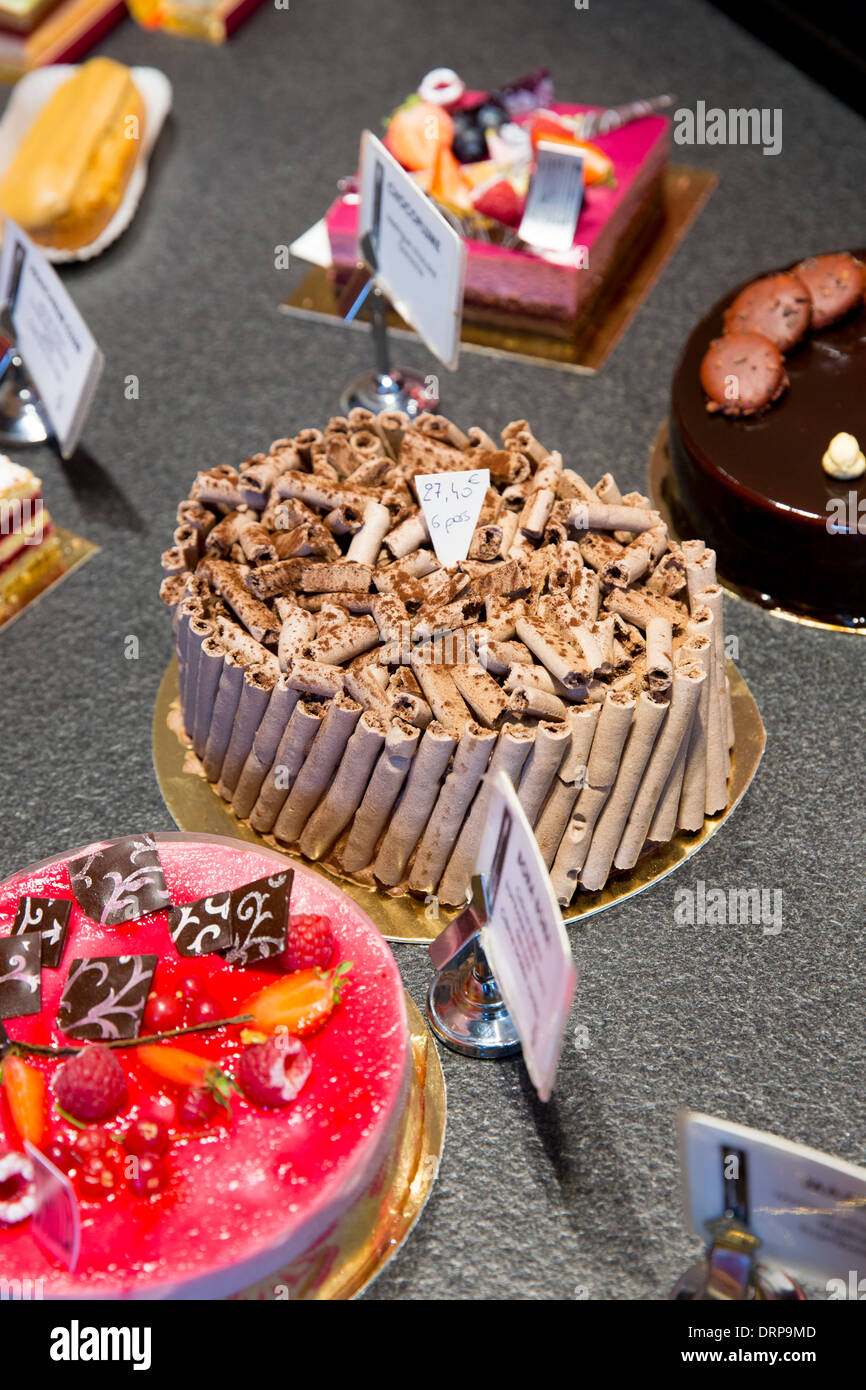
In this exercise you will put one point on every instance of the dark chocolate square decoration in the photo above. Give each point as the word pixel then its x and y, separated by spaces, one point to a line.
pixel 104 996
pixel 20 975
pixel 120 883
pixel 260 919
pixel 202 927
pixel 50 917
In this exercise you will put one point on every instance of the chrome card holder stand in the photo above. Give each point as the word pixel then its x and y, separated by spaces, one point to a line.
pixel 22 418
pixel 387 387
pixel 729 1271
pixel 465 1008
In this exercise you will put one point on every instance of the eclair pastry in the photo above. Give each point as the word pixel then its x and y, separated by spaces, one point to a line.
pixel 69 174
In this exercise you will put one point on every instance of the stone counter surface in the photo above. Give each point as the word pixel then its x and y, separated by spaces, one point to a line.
pixel 577 1198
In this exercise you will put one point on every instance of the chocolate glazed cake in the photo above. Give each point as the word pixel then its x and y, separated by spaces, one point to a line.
pixel 753 485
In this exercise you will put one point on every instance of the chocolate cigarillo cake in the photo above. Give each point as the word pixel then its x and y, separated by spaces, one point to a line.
pixel 347 694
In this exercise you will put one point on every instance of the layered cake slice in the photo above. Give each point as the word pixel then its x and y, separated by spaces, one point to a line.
pixel 212 1049
pixel 346 693
pixel 28 546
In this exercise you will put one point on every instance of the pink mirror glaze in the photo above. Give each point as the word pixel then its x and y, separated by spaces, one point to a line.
pixel 248 1195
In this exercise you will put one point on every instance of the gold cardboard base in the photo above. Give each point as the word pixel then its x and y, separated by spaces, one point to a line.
pixel 662 488
pixel 346 1259
pixel 72 551
pixel 195 805
pixel 684 193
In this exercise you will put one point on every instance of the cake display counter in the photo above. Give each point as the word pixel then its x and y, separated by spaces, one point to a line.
pixel 373 754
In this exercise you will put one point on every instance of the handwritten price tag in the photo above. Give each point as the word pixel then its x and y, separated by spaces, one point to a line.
pixel 451 503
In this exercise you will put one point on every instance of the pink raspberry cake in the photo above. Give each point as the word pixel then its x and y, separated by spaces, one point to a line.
pixel 180 1194
pixel 518 287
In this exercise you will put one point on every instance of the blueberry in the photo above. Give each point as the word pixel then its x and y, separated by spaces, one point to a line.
pixel 491 115
pixel 469 145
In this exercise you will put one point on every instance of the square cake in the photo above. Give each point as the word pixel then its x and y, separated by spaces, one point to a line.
pixel 526 288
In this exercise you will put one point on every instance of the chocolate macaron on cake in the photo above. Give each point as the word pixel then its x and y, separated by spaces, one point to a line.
pixel 768 416
pixel 346 693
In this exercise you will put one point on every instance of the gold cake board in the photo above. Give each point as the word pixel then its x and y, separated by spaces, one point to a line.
pixel 72 551
pixel 348 1257
pixel 662 488
pixel 684 193
pixel 195 805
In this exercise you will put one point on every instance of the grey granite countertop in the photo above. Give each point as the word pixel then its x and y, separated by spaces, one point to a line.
pixel 577 1197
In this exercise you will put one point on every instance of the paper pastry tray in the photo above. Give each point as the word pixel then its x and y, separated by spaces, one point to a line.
pixel 662 488
pixel 27 99
pixel 195 805
pixel 348 1257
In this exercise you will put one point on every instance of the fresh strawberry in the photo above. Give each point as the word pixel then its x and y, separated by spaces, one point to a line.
pixel 500 201
pixel 91 1085
pixel 24 1087
pixel 272 1073
pixel 416 133
pixel 311 942
pixel 189 1070
pixel 301 1003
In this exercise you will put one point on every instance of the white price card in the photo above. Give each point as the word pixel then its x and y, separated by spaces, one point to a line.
pixel 451 503
pixel 56 1223
pixel 58 349
pixel 420 258
pixel 807 1209
pixel 524 939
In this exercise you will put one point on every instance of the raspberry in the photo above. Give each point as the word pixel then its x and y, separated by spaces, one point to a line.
pixel 310 944
pixel 272 1073
pixel 91 1085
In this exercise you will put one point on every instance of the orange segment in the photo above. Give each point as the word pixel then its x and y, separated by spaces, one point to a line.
pixel 448 183
pixel 175 1064
pixel 24 1088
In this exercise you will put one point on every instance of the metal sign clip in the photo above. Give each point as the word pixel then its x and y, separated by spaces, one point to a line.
pixel 22 418
pixel 387 387
pixel 464 1005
